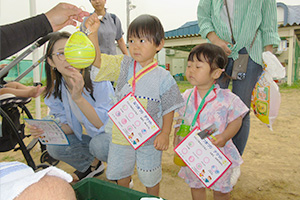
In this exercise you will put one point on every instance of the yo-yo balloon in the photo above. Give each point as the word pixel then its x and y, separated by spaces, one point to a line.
pixel 79 50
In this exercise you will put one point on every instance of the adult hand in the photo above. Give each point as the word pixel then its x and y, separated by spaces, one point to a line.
pixel 76 84
pixel 269 48
pixel 35 132
pixel 212 36
pixel 93 23
pixel 64 14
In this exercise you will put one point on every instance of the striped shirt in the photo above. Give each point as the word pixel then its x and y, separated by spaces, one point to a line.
pixel 249 16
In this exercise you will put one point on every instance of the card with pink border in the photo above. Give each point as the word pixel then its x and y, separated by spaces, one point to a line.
pixel 133 121
pixel 205 160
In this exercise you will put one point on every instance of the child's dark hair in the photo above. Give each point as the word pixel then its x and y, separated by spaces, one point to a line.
pixel 213 55
pixel 54 77
pixel 147 26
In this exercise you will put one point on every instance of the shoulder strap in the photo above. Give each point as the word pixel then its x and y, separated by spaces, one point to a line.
pixel 232 39
pixel 114 17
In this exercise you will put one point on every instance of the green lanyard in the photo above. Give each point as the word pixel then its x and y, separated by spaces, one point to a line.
pixel 201 105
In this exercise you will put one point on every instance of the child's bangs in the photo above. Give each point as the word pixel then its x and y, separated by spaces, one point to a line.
pixel 140 32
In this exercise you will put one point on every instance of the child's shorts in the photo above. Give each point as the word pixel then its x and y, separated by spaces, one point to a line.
pixel 122 159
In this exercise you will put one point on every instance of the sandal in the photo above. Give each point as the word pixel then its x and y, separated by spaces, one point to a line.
pixel 92 171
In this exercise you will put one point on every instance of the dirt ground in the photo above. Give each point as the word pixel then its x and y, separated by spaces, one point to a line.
pixel 271 160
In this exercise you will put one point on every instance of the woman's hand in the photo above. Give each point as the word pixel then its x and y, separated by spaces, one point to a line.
pixel 35 131
pixel 212 36
pixel 76 84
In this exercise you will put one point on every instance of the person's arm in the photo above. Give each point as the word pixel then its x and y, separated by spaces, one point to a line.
pixel 122 46
pixel 212 36
pixel 161 141
pixel 76 84
pixel 230 131
pixel 57 110
pixel 268 26
pixel 17 36
pixel 207 30
pixel 102 102
pixel 92 24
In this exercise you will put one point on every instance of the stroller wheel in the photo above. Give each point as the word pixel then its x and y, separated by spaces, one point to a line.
pixel 45 157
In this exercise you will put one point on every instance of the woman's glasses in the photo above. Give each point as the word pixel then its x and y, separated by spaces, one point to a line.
pixel 60 55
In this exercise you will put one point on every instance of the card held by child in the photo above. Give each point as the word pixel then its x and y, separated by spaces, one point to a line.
pixel 206 161
pixel 133 121
pixel 53 134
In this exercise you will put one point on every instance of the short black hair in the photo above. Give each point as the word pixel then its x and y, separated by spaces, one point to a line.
pixel 147 26
pixel 213 55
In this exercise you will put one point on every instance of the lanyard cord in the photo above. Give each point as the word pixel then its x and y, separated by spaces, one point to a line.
pixel 141 74
pixel 201 105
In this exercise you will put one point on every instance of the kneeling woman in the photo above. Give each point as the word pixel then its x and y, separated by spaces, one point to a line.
pixel 76 102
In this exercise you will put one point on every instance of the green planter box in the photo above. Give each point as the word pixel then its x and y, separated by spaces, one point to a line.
pixel 96 189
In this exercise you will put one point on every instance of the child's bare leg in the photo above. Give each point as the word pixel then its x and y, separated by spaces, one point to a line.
pixel 198 193
pixel 153 190
pixel 124 181
pixel 221 196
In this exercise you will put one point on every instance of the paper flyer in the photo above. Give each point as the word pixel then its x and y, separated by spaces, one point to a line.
pixel 206 161
pixel 53 135
pixel 133 121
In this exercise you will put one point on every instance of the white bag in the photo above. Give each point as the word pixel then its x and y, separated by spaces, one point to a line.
pixel 265 100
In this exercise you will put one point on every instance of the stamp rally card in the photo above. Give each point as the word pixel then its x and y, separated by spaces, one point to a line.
pixel 53 135
pixel 206 161
pixel 133 121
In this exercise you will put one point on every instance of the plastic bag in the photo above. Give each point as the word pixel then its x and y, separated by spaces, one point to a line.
pixel 273 65
pixel 265 100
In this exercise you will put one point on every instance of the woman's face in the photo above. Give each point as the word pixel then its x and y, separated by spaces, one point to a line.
pixel 98 4
pixel 58 60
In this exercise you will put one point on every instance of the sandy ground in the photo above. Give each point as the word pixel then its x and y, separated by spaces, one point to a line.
pixel 271 160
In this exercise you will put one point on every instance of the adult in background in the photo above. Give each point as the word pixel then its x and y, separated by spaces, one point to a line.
pixel 250 22
pixel 17 36
pixel 76 102
pixel 109 31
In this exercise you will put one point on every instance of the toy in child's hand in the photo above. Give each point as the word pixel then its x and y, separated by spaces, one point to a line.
pixel 79 50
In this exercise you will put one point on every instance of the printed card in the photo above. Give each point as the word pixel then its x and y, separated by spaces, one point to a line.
pixel 53 135
pixel 133 121
pixel 206 161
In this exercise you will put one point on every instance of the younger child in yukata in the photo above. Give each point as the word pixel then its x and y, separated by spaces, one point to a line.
pixel 206 62
pixel 154 88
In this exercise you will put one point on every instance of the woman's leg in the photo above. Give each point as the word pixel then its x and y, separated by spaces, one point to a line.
pixel 244 90
pixel 99 146
pixel 77 154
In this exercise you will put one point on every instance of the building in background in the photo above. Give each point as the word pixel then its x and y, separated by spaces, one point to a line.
pixel 180 41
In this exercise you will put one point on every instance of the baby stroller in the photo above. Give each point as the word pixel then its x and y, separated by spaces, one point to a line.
pixel 12 108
